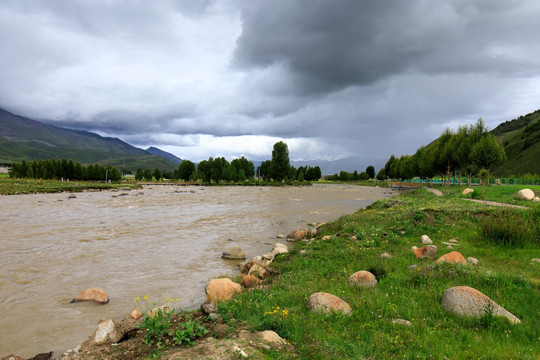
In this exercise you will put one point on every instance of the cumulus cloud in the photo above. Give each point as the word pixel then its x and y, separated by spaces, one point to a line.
pixel 226 78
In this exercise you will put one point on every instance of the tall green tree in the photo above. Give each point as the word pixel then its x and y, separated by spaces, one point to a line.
pixel 279 167
pixel 186 169
pixel 370 170
pixel 488 152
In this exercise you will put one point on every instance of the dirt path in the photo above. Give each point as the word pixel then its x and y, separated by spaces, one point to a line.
pixel 494 203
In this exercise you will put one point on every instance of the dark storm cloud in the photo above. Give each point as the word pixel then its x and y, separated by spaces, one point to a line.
pixel 329 45
pixel 333 78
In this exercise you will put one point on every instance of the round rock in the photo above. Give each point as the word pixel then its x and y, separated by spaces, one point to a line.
pixel 363 279
pixel 327 303
pixel 467 191
pixel 426 252
pixel 526 194
pixel 453 257
pixel 426 240
pixel 98 296
pixel 222 289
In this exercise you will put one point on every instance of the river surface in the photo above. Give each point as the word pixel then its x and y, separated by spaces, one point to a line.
pixel 161 241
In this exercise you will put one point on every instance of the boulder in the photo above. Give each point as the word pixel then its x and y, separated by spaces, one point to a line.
pixel 268 256
pixel 222 289
pixel 467 191
pixel 426 252
pixel 43 356
pixel 250 281
pixel 426 240
pixel 297 235
pixel 246 266
pixel 526 194
pixel 453 257
pixel 471 260
pixel 281 236
pixel 279 250
pixel 234 253
pixel 535 260
pixel 98 296
pixel 536 199
pixel 271 337
pixel 362 279
pixel 258 271
pixel 466 301
pixel 105 331
pixel 327 303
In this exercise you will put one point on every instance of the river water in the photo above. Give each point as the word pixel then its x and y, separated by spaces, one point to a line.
pixel 161 241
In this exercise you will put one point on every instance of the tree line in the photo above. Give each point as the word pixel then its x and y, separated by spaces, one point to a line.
pixel 467 151
pixel 238 170
pixel 354 176
pixel 63 169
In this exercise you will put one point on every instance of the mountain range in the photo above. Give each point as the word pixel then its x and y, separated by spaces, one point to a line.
pixel 24 138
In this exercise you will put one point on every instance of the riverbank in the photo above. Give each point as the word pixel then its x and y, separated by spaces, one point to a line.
pixel 33 186
pixel 402 315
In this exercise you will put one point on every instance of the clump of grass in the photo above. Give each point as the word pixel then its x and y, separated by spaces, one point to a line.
pixel 510 228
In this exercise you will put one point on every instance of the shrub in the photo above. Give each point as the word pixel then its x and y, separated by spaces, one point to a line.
pixel 511 228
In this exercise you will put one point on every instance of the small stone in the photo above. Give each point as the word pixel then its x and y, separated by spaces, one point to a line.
pixel 98 296
pixel 426 252
pixel 71 196
pixel 280 236
pixel 234 253
pixel 214 316
pixel 386 256
pixel 401 322
pixel 208 308
pixel 536 199
pixel 239 352
pixel 453 241
pixel 136 314
pixel 467 191
pixel 268 256
pixel 279 250
pixel 250 281
pixel 104 331
pixel 271 337
pixel 303 252
pixel 258 271
pixel 453 257
pixel 471 260
pixel 426 240
pixel 327 303
pixel 535 260
pixel 363 279
pixel 297 235
pixel 326 237
pixel 526 194
pixel 413 266
pixel 12 357
pixel 450 247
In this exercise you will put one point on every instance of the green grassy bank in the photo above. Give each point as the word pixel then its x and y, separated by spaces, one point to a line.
pixel 505 273
pixel 31 186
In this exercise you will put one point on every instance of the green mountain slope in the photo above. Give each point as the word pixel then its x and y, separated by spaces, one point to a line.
pixel 521 141
pixel 23 138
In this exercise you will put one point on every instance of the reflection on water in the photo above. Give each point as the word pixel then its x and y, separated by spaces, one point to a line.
pixel 162 241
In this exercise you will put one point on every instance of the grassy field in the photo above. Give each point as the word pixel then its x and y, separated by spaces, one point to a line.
pixel 505 273
pixel 28 186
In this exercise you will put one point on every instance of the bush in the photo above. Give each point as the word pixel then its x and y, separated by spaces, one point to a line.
pixel 511 228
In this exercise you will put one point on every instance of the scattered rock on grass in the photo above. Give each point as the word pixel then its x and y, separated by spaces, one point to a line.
pixel 272 337
pixel 426 252
pixel 536 199
pixel 401 322
pixel 326 237
pixel 222 289
pixel 526 194
pixel 258 271
pixel 466 301
pixel 471 260
pixel 208 308
pixel 386 255
pixel 98 296
pixel 363 279
pixel 234 253
pixel 535 260
pixel 327 303
pixel 467 191
pixel 453 257
pixel 426 240
pixel 136 314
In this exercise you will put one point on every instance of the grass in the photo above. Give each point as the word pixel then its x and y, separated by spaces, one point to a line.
pixel 394 225
pixel 29 186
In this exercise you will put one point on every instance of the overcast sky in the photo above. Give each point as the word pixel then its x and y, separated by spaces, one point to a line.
pixel 331 78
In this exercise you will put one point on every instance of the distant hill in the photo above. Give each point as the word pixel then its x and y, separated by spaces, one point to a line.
pixel 521 141
pixel 155 151
pixel 23 138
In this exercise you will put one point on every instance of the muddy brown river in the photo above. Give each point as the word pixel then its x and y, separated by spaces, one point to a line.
pixel 161 241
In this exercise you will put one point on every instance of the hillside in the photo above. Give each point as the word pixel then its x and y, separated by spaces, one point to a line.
pixel 521 141
pixel 23 138
pixel 155 151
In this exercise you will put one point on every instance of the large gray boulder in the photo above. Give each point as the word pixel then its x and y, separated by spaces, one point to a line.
pixel 466 301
